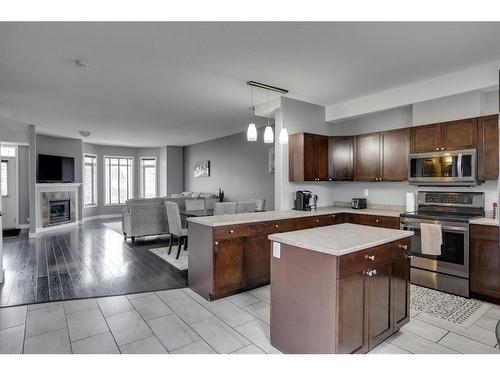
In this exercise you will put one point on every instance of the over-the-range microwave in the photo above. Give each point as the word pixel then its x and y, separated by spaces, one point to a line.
pixel 443 168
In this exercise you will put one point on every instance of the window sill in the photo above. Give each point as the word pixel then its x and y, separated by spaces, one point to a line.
pixel 90 205
pixel 115 205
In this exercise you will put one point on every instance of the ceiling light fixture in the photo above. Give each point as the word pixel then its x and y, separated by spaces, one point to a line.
pixel 252 130
pixel 82 63
pixel 268 132
pixel 283 138
pixel 84 133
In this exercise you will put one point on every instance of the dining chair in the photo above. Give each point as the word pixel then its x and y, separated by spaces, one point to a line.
pixel 260 204
pixel 195 204
pixel 245 206
pixel 175 227
pixel 222 208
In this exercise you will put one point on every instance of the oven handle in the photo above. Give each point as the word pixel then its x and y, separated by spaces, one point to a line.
pixel 458 229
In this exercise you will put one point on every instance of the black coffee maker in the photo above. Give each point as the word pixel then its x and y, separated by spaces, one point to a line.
pixel 305 200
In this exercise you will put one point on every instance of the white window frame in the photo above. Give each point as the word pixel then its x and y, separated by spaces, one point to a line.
pixel 2 161
pixel 131 178
pixel 143 169
pixel 8 146
pixel 95 195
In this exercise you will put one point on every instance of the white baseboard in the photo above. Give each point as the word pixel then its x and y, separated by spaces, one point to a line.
pixel 54 228
pixel 97 217
pixel 23 226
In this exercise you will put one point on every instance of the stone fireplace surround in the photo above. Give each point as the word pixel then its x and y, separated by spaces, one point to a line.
pixel 56 191
pixel 47 197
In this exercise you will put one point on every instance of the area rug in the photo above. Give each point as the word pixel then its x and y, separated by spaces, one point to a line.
pixel 455 309
pixel 181 263
pixel 115 226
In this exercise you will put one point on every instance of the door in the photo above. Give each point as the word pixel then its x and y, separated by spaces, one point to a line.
pixel 395 150
pixel 401 286
pixel 459 135
pixel 228 265
pixel 367 157
pixel 380 305
pixel 257 260
pixel 341 158
pixel 425 138
pixel 487 148
pixel 352 322
pixel 9 192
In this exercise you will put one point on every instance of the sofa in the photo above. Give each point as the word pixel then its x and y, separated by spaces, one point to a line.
pixel 148 216
pixel 144 217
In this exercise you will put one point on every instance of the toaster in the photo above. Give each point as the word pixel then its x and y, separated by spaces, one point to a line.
pixel 358 203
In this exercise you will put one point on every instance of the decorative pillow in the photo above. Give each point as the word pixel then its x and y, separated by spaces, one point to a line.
pixel 195 195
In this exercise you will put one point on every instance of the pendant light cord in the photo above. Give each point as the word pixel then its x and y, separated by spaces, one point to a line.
pixel 251 102
pixel 267 107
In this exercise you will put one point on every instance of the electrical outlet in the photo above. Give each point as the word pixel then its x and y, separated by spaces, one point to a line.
pixel 365 192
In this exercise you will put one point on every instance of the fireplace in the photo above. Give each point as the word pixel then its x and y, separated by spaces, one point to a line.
pixel 59 211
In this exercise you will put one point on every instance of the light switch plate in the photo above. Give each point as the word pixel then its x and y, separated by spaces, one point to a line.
pixel 276 250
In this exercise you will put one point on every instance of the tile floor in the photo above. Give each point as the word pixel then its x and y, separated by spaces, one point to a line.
pixel 179 321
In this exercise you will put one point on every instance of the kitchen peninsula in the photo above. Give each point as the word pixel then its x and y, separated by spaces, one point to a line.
pixel 231 253
pixel 338 289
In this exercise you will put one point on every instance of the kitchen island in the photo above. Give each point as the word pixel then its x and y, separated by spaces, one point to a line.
pixel 338 289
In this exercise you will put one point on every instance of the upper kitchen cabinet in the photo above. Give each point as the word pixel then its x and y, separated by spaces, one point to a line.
pixel 487 148
pixel 307 157
pixel 367 157
pixel 425 138
pixel 395 146
pixel 382 156
pixel 459 135
pixel 341 154
pixel 447 136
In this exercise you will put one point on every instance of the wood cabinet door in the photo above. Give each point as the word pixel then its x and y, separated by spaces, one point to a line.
pixel 459 135
pixel 310 158
pixel 379 221
pixel 426 138
pixel 367 157
pixel 485 268
pixel 487 148
pixel 380 321
pixel 401 285
pixel 395 151
pixel 321 147
pixel 228 265
pixel 257 260
pixel 341 150
pixel 352 322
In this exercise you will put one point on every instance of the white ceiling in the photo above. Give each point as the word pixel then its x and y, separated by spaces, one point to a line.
pixel 151 84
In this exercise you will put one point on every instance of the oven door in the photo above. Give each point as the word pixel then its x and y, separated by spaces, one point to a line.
pixel 443 168
pixel 454 258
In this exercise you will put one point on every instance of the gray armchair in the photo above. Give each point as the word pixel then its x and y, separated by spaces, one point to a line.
pixel 144 217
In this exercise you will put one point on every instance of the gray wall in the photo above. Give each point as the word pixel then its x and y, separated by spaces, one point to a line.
pixel 239 167
pixel 102 151
pixel 175 170
pixel 24 183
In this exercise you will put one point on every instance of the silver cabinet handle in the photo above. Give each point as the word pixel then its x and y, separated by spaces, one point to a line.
pixel 370 272
pixel 276 226
pixel 404 247
pixel 371 257
pixel 376 220
pixel 216 243
pixel 437 148
pixel 231 231
pixel 409 256
pixel 442 148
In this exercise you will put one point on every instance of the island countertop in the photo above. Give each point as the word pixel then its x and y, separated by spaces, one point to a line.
pixel 340 239
pixel 255 217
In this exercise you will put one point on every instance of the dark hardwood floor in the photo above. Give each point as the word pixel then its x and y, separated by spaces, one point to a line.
pixel 90 260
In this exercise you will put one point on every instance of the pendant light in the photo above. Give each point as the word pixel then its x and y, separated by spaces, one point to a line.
pixel 252 130
pixel 283 138
pixel 268 132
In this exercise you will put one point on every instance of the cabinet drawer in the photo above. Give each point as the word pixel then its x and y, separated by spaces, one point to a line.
pixel 230 231
pixel 329 219
pixel 361 260
pixel 379 221
pixel 485 232
pixel 259 229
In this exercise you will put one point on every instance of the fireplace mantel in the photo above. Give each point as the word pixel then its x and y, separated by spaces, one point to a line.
pixel 58 186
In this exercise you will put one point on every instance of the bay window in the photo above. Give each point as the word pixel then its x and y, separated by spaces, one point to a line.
pixel 118 179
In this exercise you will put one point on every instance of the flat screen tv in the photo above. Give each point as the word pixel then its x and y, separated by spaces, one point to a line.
pixel 53 168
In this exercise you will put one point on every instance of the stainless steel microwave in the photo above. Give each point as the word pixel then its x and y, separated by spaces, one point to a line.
pixel 443 168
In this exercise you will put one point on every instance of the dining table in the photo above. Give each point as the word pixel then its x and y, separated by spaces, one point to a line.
pixel 197 213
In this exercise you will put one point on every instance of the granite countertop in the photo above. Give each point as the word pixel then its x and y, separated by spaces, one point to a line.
pixel 485 221
pixel 340 239
pixel 255 217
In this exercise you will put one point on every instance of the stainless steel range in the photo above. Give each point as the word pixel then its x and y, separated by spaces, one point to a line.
pixel 448 272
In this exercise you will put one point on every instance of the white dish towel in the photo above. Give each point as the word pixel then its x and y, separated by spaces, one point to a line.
pixel 432 238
